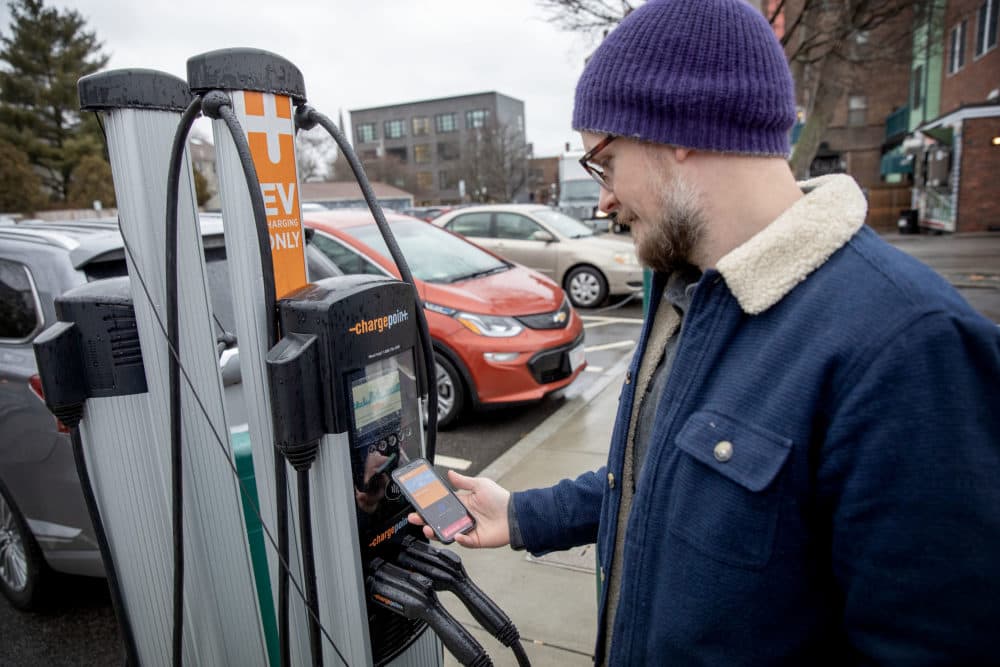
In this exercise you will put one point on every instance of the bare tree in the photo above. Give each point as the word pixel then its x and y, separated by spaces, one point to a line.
pixel 314 152
pixel 596 17
pixel 833 45
pixel 495 162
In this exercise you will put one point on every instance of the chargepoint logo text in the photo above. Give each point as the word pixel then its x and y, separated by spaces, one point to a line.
pixel 379 324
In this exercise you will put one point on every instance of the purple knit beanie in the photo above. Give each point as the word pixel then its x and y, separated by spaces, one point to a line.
pixel 706 74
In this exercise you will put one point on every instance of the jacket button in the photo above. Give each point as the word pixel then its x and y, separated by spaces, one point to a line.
pixel 628 377
pixel 723 451
pixel 611 480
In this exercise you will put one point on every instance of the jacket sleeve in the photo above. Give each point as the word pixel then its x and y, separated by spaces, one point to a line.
pixel 909 477
pixel 561 516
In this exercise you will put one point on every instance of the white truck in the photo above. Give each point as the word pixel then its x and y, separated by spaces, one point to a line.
pixel 579 193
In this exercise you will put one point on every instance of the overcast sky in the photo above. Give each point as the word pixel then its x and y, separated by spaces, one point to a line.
pixel 363 53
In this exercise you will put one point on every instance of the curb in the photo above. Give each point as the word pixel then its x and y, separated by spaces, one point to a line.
pixel 538 435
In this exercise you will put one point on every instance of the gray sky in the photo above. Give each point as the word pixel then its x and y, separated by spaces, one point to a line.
pixel 362 53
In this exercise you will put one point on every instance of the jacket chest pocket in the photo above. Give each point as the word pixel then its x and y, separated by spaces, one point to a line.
pixel 727 492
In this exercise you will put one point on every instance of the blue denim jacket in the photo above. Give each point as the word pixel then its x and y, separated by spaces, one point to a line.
pixel 856 517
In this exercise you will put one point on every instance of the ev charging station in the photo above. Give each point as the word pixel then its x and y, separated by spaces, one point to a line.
pixel 335 386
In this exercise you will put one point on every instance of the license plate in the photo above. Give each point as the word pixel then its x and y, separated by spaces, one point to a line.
pixel 576 357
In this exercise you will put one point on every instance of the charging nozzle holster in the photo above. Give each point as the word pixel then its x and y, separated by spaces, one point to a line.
pixel 412 595
pixel 445 570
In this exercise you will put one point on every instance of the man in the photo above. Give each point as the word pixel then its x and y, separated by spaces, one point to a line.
pixel 805 467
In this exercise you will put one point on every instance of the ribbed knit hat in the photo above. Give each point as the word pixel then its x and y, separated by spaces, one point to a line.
pixel 706 74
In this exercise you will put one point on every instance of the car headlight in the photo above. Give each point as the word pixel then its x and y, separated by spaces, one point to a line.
pixel 490 325
pixel 626 258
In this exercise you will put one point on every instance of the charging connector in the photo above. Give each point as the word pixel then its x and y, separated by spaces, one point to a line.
pixel 412 595
pixel 445 570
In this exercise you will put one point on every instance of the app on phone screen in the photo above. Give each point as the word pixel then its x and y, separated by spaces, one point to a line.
pixel 436 504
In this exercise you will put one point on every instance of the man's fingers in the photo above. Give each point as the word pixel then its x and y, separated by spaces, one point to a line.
pixel 429 534
pixel 466 540
pixel 415 519
pixel 460 481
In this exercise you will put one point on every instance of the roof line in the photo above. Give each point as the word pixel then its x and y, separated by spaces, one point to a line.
pixel 435 99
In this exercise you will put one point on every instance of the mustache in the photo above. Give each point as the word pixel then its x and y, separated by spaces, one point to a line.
pixel 624 217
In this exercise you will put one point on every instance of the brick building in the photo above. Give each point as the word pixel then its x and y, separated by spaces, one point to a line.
pixel 956 155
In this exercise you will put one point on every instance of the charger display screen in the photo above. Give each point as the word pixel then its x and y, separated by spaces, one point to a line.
pixel 377 400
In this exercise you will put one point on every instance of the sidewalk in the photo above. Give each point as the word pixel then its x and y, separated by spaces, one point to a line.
pixel 552 600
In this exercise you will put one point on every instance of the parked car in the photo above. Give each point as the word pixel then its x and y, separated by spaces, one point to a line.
pixel 43 521
pixel 589 266
pixel 501 333
pixel 426 213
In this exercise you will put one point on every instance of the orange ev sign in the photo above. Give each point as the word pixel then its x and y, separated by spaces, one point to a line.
pixel 270 133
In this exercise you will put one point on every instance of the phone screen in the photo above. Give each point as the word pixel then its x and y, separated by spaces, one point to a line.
pixel 438 506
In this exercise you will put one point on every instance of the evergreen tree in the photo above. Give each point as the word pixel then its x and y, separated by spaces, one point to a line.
pixel 91 181
pixel 20 188
pixel 44 55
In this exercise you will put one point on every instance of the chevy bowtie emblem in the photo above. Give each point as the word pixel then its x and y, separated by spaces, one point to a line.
pixel 559 317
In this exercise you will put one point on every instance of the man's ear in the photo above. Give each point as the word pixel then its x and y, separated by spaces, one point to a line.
pixel 681 154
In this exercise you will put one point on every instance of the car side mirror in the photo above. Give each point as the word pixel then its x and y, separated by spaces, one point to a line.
pixel 542 235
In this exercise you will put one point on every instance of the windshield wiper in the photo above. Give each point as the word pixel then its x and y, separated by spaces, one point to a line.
pixel 479 274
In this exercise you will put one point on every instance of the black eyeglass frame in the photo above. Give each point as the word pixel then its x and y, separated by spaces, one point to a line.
pixel 596 171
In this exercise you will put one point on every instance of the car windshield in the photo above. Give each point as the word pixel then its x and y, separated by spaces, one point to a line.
pixel 434 255
pixel 564 224
pixel 588 190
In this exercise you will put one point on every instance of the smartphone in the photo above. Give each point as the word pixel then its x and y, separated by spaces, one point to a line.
pixel 436 504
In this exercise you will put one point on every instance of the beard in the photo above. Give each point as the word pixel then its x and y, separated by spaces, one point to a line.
pixel 667 242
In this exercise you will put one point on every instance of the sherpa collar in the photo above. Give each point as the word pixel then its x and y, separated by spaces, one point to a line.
pixel 763 270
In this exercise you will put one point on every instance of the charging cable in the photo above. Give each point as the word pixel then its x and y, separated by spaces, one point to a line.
pixel 445 570
pixel 412 596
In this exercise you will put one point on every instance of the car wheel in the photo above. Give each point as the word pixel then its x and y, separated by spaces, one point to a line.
pixel 586 287
pixel 451 392
pixel 22 567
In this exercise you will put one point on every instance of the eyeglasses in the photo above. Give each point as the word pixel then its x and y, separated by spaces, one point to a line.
pixel 600 173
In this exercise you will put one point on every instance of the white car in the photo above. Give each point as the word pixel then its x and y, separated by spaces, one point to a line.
pixel 590 266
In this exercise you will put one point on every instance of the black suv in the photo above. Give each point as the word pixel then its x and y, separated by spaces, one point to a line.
pixel 43 521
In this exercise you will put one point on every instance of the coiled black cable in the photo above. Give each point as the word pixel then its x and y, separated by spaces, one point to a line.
pixel 306 118
pixel 522 657
pixel 309 567
pixel 173 337
pixel 218 105
pixel 104 546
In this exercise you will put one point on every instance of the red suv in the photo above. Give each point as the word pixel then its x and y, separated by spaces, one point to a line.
pixel 502 333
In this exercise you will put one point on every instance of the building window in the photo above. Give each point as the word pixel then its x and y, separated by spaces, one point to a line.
pixel 421 126
pixel 986 26
pixel 395 129
pixel 398 153
pixel 448 150
pixel 366 132
pixel 445 122
pixel 918 88
pixel 369 154
pixel 422 153
pixel 956 48
pixel 18 302
pixel 476 118
pixel 447 179
pixel 857 110
pixel 425 180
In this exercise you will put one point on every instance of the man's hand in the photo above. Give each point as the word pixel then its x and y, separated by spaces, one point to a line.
pixel 487 502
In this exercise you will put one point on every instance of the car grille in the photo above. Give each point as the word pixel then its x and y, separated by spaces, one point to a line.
pixel 553 365
pixel 557 319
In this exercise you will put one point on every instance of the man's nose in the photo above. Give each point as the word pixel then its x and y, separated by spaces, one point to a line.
pixel 607 202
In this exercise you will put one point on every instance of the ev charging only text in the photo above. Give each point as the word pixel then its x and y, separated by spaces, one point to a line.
pixel 285 232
